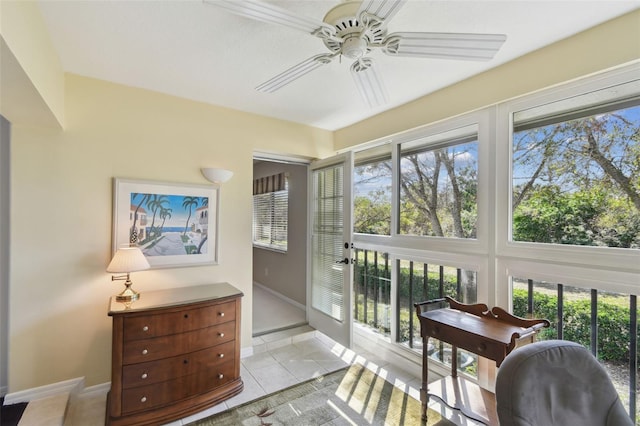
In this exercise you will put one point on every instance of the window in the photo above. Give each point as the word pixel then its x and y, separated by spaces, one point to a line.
pixel 573 203
pixel 532 204
pixel 270 212
pixel 438 185
pixel 372 191
pixel 576 173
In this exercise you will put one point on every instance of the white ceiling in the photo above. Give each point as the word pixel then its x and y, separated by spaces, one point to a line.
pixel 196 51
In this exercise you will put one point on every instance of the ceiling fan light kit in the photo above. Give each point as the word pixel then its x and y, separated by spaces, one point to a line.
pixel 354 29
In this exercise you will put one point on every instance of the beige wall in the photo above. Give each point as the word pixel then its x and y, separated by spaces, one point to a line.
pixel 286 273
pixel 605 46
pixel 31 73
pixel 61 214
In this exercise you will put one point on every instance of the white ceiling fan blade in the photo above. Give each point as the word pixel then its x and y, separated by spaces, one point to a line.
pixel 368 81
pixel 295 72
pixel 272 14
pixel 472 47
pixel 383 9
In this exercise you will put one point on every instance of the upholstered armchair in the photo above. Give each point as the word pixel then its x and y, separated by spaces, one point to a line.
pixel 556 383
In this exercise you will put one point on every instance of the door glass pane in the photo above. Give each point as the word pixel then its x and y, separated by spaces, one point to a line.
pixel 327 276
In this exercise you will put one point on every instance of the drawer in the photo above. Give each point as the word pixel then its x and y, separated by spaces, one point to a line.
pixel 177 344
pixel 162 370
pixel 144 327
pixel 171 391
pixel 466 340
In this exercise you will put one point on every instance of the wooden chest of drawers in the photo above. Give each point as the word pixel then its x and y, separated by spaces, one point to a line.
pixel 174 353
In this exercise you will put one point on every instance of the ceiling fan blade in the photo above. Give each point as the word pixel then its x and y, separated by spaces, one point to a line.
pixel 383 9
pixel 472 47
pixel 295 72
pixel 368 81
pixel 266 12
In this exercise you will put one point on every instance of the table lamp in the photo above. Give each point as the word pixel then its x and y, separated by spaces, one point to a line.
pixel 127 260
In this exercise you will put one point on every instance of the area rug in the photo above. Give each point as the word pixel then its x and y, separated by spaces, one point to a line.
pixel 352 396
pixel 10 414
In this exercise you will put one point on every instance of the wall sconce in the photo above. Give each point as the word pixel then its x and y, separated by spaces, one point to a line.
pixel 127 260
pixel 216 175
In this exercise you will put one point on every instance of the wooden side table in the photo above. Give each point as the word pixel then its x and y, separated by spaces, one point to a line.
pixel 490 333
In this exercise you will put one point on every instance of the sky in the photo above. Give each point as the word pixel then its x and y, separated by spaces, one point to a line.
pixel 178 213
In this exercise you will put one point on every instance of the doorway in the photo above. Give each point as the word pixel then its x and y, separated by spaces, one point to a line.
pixel 279 258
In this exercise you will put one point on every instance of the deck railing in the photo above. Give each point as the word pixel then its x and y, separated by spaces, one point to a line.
pixel 576 315
pixel 416 282
pixel 606 325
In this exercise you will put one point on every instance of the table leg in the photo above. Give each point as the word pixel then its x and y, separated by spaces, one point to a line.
pixel 424 395
pixel 454 361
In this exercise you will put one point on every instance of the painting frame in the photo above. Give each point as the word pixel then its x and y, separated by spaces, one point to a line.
pixel 158 239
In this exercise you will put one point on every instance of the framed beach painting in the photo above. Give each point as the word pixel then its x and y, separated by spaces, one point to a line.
pixel 174 225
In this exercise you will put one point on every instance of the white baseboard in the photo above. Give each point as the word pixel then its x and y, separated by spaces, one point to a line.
pixel 95 390
pixel 32 394
pixel 246 352
pixel 281 296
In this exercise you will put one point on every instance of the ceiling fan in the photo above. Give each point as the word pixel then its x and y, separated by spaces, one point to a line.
pixel 355 28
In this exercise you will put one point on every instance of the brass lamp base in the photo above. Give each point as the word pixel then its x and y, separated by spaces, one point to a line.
pixel 128 294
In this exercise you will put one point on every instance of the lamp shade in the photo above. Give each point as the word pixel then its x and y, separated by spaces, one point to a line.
pixel 128 259
pixel 216 175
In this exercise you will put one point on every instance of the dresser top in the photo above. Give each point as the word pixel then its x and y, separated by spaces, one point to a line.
pixel 150 300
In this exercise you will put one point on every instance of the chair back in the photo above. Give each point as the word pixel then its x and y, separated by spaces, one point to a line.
pixel 556 383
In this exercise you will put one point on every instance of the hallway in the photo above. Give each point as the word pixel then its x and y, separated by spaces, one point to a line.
pixel 272 313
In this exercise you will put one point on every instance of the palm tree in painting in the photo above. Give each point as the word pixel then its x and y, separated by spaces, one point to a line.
pixel 164 215
pixel 205 203
pixel 155 203
pixel 133 232
pixel 189 203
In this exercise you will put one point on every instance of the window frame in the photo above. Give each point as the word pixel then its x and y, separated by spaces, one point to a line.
pixel 482 119
pixel 495 258
pixel 592 257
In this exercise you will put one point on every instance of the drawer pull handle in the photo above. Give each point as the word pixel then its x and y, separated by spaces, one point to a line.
pixel 220 376
pixel 221 334
pixel 221 314
pixel 482 347
pixel 186 361
pixel 144 375
pixel 186 315
pixel 145 328
pixel 220 355
pixel 144 352
pixel 143 399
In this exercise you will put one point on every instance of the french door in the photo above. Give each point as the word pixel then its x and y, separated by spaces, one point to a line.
pixel 331 271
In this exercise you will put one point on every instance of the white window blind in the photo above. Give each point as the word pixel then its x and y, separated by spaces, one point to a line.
pixel 270 215
pixel 327 275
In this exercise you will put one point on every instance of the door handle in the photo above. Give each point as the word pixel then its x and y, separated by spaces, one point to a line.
pixel 345 261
